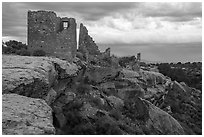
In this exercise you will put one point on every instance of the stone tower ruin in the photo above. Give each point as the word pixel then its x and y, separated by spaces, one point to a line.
pixel 54 35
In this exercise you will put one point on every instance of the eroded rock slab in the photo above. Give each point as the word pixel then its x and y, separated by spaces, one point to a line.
pixel 33 76
pixel 26 116
pixel 160 122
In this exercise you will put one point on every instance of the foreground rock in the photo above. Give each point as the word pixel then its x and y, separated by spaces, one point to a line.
pixel 161 122
pixel 34 76
pixel 151 119
pixel 88 98
pixel 26 116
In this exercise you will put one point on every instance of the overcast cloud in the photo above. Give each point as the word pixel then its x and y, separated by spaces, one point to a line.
pixel 137 26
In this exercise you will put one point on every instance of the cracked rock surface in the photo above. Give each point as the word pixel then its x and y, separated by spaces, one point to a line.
pixel 161 122
pixel 33 76
pixel 26 116
pixel 89 99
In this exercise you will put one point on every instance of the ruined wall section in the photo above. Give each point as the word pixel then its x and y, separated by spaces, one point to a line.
pixel 86 42
pixel 136 65
pixel 42 27
pixel 46 32
pixel 138 57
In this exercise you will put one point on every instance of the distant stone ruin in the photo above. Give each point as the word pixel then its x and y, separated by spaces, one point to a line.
pixel 57 37
pixel 54 35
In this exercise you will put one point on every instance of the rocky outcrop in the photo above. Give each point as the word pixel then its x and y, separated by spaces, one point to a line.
pixel 93 112
pixel 160 122
pixel 99 99
pixel 26 116
pixel 153 78
pixel 98 74
pixel 40 77
pixel 151 119
pixel 34 76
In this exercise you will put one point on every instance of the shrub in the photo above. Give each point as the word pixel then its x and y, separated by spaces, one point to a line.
pixel 16 45
pixel 25 52
pixel 106 126
pixel 76 124
pixel 71 111
pixel 13 47
pixel 123 61
pixel 39 53
pixel 8 50
pixel 84 129
pixel 107 59
pixel 18 52
pixel 136 109
pixel 74 106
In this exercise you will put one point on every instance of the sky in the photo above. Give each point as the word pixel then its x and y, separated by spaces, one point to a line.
pixel 162 32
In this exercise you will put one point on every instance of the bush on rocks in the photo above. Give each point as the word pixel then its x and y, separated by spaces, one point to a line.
pixel 25 52
pixel 39 53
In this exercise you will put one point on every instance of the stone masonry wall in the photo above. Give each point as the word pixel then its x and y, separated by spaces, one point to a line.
pixel 86 42
pixel 46 32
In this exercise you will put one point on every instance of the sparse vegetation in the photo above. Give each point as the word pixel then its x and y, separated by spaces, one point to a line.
pixel 106 126
pixel 24 52
pixel 123 61
pixel 39 53
pixel 14 47
pixel 190 73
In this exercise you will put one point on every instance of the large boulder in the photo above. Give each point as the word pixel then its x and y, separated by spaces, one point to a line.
pixel 34 76
pixel 150 118
pixel 176 96
pixel 26 116
pixel 160 122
